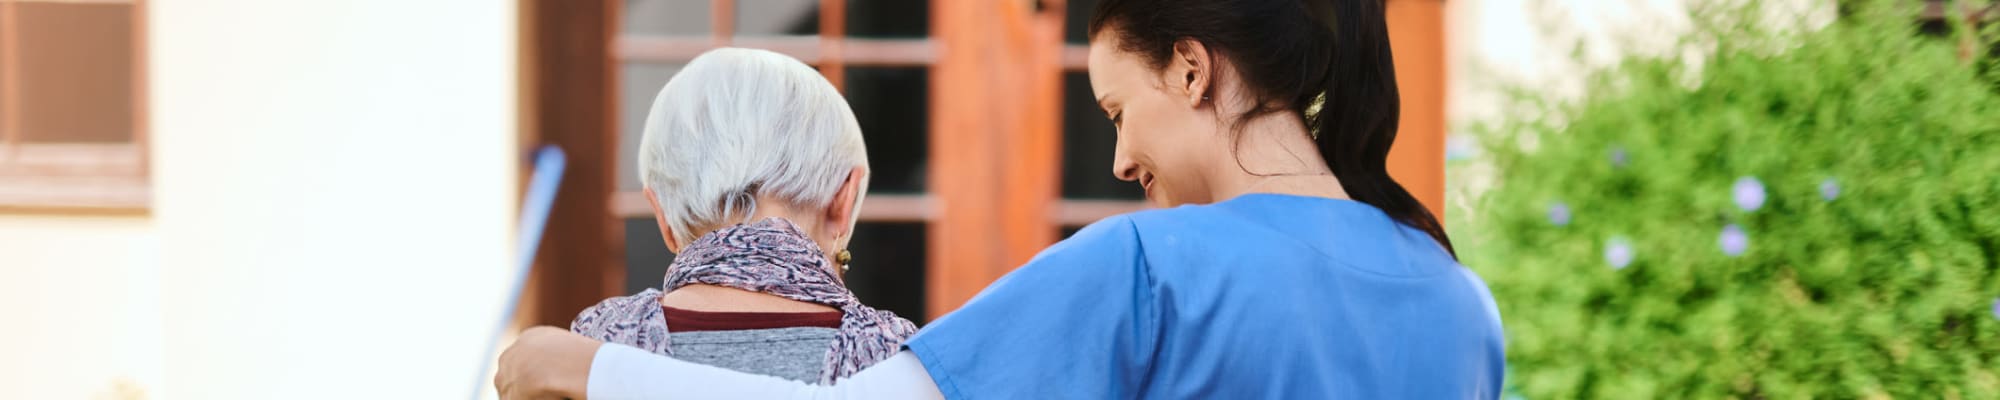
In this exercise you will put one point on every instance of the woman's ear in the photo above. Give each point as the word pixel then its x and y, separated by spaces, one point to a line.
pixel 660 219
pixel 846 202
pixel 1195 69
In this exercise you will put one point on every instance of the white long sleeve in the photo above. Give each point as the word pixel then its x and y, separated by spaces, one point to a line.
pixel 619 372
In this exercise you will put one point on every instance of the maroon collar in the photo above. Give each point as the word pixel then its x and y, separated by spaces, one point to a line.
pixel 684 320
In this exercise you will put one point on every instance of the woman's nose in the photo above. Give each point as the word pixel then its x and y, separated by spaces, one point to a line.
pixel 1123 168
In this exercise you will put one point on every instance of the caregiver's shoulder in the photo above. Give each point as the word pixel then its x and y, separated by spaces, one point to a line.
pixel 1130 230
pixel 1305 228
pixel 1125 237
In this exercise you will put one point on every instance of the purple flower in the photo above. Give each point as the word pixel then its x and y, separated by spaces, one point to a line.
pixel 1996 308
pixel 1749 193
pixel 1733 240
pixel 1828 189
pixel 1618 252
pixel 1559 214
pixel 1618 158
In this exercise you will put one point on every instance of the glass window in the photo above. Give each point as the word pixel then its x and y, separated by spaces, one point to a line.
pixel 69 123
pixel 1076 21
pixel 777 17
pixel 646 255
pixel 888 271
pixel 901 19
pixel 638 84
pixel 75 65
pixel 668 17
pixel 1089 141
pixel 893 105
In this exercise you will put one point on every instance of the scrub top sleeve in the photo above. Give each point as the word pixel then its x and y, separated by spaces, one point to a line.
pixel 1080 320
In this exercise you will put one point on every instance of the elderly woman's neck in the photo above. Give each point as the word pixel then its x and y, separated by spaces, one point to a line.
pixel 808 221
pixel 724 299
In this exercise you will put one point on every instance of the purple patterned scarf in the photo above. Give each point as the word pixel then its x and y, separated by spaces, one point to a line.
pixel 771 256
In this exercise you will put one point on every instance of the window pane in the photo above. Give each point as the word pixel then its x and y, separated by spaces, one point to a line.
pixel 888 270
pixel 890 103
pixel 777 17
pixel 646 255
pixel 1089 141
pixel 639 83
pixel 1076 20
pixel 668 17
pixel 75 72
pixel 893 106
pixel 889 18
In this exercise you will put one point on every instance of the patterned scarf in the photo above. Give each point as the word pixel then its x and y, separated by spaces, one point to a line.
pixel 773 257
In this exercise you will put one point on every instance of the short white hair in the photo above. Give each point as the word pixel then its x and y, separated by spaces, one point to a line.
pixel 736 123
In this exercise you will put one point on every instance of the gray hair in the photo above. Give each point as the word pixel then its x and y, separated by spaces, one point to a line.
pixel 737 123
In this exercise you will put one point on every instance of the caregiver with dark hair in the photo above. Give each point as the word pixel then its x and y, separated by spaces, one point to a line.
pixel 1279 271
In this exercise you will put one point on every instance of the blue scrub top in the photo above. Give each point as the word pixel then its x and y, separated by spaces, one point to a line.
pixel 1262 296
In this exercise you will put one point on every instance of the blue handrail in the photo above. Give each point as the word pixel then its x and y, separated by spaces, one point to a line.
pixel 541 196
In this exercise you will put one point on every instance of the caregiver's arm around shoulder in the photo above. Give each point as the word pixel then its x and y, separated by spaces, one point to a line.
pixel 1084 302
pixel 621 372
pixel 551 363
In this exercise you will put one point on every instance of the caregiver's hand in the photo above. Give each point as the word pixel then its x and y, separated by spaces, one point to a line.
pixel 545 363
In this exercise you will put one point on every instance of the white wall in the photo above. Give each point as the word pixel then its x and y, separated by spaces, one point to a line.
pixel 1493 43
pixel 335 185
pixel 1529 42
pixel 80 300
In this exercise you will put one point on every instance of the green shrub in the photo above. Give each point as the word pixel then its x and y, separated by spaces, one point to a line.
pixel 1870 262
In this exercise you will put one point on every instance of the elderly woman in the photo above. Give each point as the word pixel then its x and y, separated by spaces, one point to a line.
pixel 754 167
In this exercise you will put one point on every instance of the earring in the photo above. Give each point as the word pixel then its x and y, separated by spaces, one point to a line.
pixel 843 258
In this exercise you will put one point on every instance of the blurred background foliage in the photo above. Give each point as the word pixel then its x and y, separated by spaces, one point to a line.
pixel 1781 213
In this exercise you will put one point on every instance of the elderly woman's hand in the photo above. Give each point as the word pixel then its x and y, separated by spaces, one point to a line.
pixel 545 363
